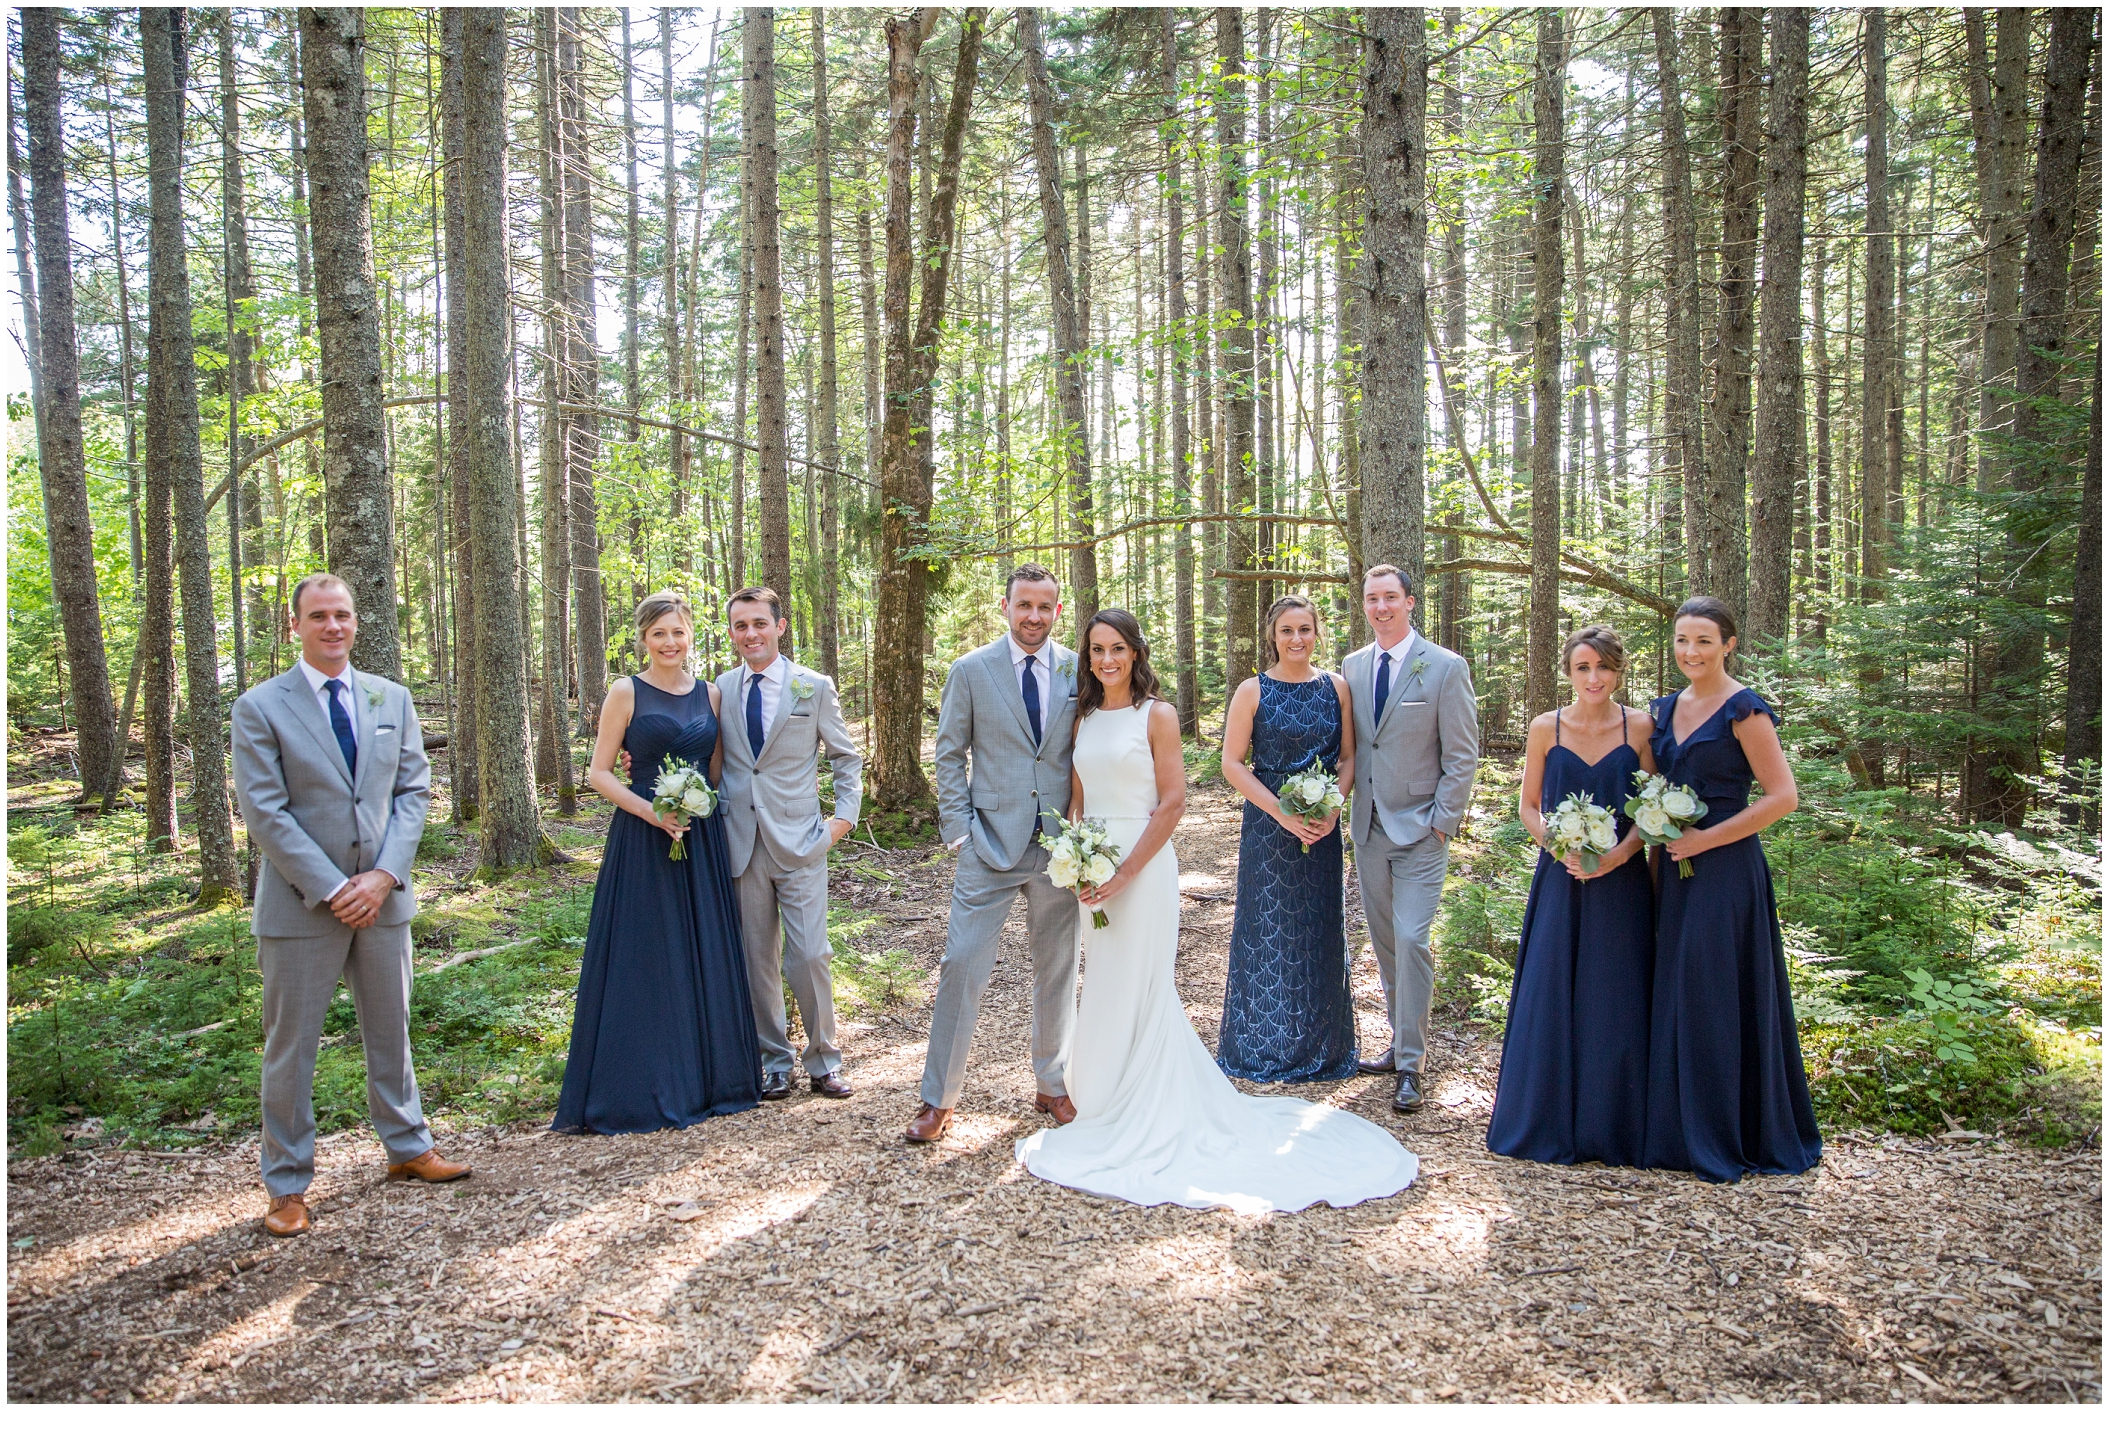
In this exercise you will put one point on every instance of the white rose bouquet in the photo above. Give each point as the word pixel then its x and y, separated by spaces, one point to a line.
pixel 682 794
pixel 1083 855
pixel 1579 827
pixel 1313 793
pixel 1662 811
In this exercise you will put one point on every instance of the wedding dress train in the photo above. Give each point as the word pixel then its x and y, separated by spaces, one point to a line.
pixel 1157 1122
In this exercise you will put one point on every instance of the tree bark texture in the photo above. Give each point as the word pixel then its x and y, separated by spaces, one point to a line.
pixel 581 372
pixel 462 747
pixel 173 447
pixel 1394 437
pixel 1185 659
pixel 1777 463
pixel 1548 281
pixel 1878 318
pixel 62 455
pixel 1719 515
pixel 830 620
pixel 772 416
pixel 1234 352
pixel 1999 128
pixel 347 311
pixel 1683 368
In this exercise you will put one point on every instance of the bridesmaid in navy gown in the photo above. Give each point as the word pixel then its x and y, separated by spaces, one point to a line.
pixel 1288 1010
pixel 1574 1062
pixel 1726 1091
pixel 663 1034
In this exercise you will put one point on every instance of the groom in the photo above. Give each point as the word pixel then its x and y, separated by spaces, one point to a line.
pixel 1008 707
pixel 1416 749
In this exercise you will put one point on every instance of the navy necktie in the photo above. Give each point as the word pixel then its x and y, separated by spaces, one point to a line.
pixel 340 723
pixel 1031 689
pixel 755 735
pixel 1383 687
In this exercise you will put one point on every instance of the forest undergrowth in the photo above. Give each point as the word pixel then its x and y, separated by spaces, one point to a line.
pixel 1947 981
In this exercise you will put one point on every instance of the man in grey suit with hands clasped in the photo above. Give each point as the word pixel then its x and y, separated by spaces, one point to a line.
pixel 330 772
pixel 1009 710
pixel 1416 750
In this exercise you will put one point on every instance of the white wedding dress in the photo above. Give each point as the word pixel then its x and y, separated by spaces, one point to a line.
pixel 1157 1122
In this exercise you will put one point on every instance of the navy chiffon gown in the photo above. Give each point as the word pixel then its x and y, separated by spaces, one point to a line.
pixel 1574 1062
pixel 1727 1094
pixel 663 1034
pixel 1288 1012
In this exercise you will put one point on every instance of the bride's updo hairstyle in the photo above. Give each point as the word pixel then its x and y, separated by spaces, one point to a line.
pixel 658 605
pixel 1142 682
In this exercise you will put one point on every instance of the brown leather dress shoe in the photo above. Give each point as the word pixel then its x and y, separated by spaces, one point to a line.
pixel 831 1085
pixel 429 1167
pixel 931 1124
pixel 288 1216
pixel 1057 1105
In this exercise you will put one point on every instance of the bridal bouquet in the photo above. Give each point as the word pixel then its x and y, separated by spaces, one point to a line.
pixel 1579 826
pixel 1661 811
pixel 682 794
pixel 1313 793
pixel 1082 855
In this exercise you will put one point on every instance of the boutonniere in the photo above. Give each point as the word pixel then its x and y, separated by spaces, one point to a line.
pixel 801 689
pixel 374 696
pixel 1420 665
pixel 1066 669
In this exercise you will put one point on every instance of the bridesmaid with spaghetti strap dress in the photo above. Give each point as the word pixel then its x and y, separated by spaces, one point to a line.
pixel 1727 1094
pixel 1574 1061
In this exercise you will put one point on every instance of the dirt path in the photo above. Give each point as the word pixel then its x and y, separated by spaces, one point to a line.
pixel 822 1258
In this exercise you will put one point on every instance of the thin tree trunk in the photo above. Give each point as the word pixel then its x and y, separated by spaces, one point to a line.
pixel 1395 285
pixel 173 448
pixel 1818 607
pixel 1719 516
pixel 670 293
pixel 553 761
pixel 2083 676
pixel 1234 351
pixel 347 310
pixel 512 830
pixel 1781 429
pixel 62 455
pixel 738 507
pixel 1548 180
pixel 1069 337
pixel 1185 659
pixel 1999 126
pixel 829 399
pixel 1456 585
pixel 1684 371
pixel 1878 321
pixel 463 748
pixel 246 520
pixel 772 475
pixel 582 370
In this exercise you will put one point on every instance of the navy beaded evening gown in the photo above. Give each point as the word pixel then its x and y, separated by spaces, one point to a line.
pixel 1726 1091
pixel 1574 1061
pixel 1288 1011
pixel 663 1034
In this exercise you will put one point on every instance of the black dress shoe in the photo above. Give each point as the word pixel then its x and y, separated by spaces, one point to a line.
pixel 828 1085
pixel 1408 1098
pixel 1375 1065
pixel 775 1086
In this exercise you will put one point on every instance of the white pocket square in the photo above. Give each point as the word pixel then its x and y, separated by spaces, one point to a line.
pixel 384 727
pixel 1404 703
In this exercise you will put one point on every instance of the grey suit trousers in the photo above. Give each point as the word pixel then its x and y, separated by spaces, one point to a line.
pixel 981 904
pixel 300 979
pixel 1401 888
pixel 783 928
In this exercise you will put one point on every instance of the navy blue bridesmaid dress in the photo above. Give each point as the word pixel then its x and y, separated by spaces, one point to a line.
pixel 1726 1091
pixel 1288 1011
pixel 1574 1062
pixel 663 1034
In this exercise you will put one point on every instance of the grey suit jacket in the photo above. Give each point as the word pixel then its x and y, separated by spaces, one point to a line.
pixel 315 823
pixel 1012 782
pixel 1414 765
pixel 777 795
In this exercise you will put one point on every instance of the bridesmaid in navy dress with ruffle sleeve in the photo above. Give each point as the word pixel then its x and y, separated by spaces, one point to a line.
pixel 1288 1007
pixel 1574 1061
pixel 663 1033
pixel 1727 1094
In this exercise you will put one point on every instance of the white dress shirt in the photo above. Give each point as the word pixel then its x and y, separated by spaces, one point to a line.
pixel 1043 671
pixel 771 680
pixel 318 681
pixel 1397 655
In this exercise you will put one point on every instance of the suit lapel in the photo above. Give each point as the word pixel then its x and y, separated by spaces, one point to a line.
pixel 1399 679
pixel 999 664
pixel 786 699
pixel 364 717
pixel 307 706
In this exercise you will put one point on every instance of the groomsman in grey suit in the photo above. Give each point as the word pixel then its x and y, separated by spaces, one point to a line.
pixel 1008 712
pixel 778 716
pixel 330 772
pixel 1416 750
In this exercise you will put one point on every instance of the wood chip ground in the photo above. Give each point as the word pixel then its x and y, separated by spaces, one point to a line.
pixel 803 1252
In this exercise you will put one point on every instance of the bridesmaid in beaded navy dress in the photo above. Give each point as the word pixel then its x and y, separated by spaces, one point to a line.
pixel 1726 1091
pixel 1574 1062
pixel 663 1033
pixel 1288 1011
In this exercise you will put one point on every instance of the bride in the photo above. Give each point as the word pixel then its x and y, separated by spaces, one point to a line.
pixel 1157 1122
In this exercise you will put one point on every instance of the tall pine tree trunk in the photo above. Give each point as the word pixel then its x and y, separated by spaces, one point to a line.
pixel 830 619
pixel 1549 183
pixel 1394 442
pixel 462 748
pixel 1684 370
pixel 1878 320
pixel 553 762
pixel 1185 661
pixel 582 369
pixel 62 456
pixel 1719 514
pixel 1234 352
pixel 1777 464
pixel 347 311
pixel 772 474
